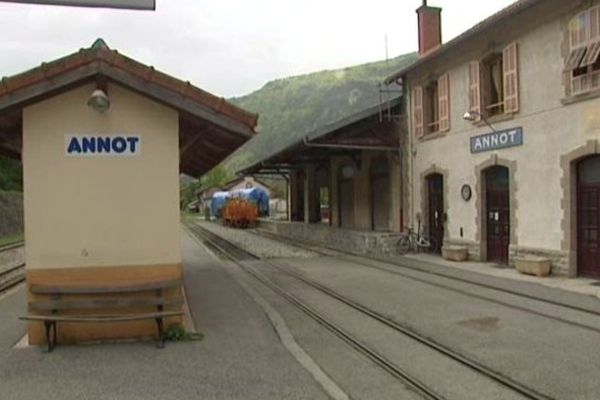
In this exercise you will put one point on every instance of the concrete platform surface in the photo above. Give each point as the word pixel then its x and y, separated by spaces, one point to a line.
pixel 585 286
pixel 241 356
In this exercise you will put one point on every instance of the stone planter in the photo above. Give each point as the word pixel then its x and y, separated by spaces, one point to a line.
pixel 455 253
pixel 538 266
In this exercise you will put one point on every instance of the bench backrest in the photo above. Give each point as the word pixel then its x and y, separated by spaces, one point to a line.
pixel 97 297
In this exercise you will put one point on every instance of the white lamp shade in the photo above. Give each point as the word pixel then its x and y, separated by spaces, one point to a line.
pixel 99 101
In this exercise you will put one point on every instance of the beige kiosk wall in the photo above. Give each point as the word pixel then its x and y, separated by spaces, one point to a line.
pixel 100 219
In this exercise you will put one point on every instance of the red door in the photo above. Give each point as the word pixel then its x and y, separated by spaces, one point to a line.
pixel 497 214
pixel 588 218
pixel 435 184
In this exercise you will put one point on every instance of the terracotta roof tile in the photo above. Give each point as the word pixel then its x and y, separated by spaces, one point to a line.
pixel 100 53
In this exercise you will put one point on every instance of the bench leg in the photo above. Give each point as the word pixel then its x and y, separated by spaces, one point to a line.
pixel 161 335
pixel 50 337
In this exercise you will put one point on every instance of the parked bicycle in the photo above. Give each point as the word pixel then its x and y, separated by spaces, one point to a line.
pixel 415 241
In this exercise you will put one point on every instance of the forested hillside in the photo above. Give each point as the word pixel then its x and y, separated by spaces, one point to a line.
pixel 291 107
pixel 10 175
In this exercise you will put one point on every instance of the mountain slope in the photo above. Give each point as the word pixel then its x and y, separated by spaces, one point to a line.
pixel 290 108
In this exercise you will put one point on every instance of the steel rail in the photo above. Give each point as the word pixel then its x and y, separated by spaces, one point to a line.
pixel 10 283
pixel 11 246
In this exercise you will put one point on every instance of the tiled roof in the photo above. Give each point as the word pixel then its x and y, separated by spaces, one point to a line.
pixel 99 55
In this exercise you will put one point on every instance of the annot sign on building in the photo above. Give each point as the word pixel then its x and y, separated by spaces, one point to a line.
pixel 102 145
pixel 497 140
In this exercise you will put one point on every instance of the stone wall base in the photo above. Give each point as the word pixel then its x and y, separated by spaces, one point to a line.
pixel 353 241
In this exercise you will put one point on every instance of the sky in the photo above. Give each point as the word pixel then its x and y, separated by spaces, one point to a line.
pixel 231 47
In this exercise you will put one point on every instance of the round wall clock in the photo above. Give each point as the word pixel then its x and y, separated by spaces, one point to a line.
pixel 465 192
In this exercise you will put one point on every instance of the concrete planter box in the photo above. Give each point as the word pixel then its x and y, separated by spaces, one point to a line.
pixel 529 265
pixel 455 253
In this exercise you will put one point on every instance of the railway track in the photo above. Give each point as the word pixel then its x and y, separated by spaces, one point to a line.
pixel 365 261
pixel 11 277
pixel 233 252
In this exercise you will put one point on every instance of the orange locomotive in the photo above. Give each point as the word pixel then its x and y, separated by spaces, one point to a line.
pixel 240 213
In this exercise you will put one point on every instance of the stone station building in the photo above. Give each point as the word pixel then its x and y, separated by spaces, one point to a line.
pixel 505 134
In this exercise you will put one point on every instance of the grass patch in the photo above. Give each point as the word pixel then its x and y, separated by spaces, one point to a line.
pixel 177 333
pixel 11 239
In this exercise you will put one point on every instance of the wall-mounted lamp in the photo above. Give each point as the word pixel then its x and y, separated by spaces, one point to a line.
pixel 473 115
pixel 99 101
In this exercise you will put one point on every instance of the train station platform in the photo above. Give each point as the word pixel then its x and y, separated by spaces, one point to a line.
pixel 579 285
pixel 240 357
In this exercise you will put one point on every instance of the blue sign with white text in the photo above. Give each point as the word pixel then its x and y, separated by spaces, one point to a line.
pixel 497 140
pixel 102 145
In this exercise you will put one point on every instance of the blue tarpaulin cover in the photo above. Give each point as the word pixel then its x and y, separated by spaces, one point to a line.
pixel 218 201
pixel 256 196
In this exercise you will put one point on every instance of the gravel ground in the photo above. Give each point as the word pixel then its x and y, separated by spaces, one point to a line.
pixel 12 258
pixel 258 245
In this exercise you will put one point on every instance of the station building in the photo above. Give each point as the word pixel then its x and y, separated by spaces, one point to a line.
pixel 343 181
pixel 504 134
pixel 103 139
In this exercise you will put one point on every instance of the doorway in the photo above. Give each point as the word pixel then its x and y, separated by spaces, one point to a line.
pixel 435 203
pixel 346 196
pixel 380 195
pixel 497 213
pixel 588 217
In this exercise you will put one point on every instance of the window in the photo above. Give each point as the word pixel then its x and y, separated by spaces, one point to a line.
pixel 432 115
pixel 583 60
pixel 431 107
pixel 493 86
pixel 494 83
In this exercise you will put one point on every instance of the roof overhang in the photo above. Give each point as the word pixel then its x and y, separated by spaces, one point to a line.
pixel 370 130
pixel 210 127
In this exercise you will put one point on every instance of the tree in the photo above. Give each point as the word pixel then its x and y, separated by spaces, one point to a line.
pixel 216 177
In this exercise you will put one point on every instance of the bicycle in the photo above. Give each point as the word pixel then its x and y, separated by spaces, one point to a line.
pixel 414 241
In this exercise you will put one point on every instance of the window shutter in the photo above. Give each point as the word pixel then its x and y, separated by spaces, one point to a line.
pixel 475 88
pixel 417 101
pixel 510 66
pixel 576 59
pixel 593 51
pixel 594 23
pixel 593 48
pixel 444 102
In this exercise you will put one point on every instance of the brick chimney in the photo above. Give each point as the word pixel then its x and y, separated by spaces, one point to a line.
pixel 430 28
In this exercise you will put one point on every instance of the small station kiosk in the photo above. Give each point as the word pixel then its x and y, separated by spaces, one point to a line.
pixel 103 139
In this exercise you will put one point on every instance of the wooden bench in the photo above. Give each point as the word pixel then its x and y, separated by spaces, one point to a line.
pixel 79 303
